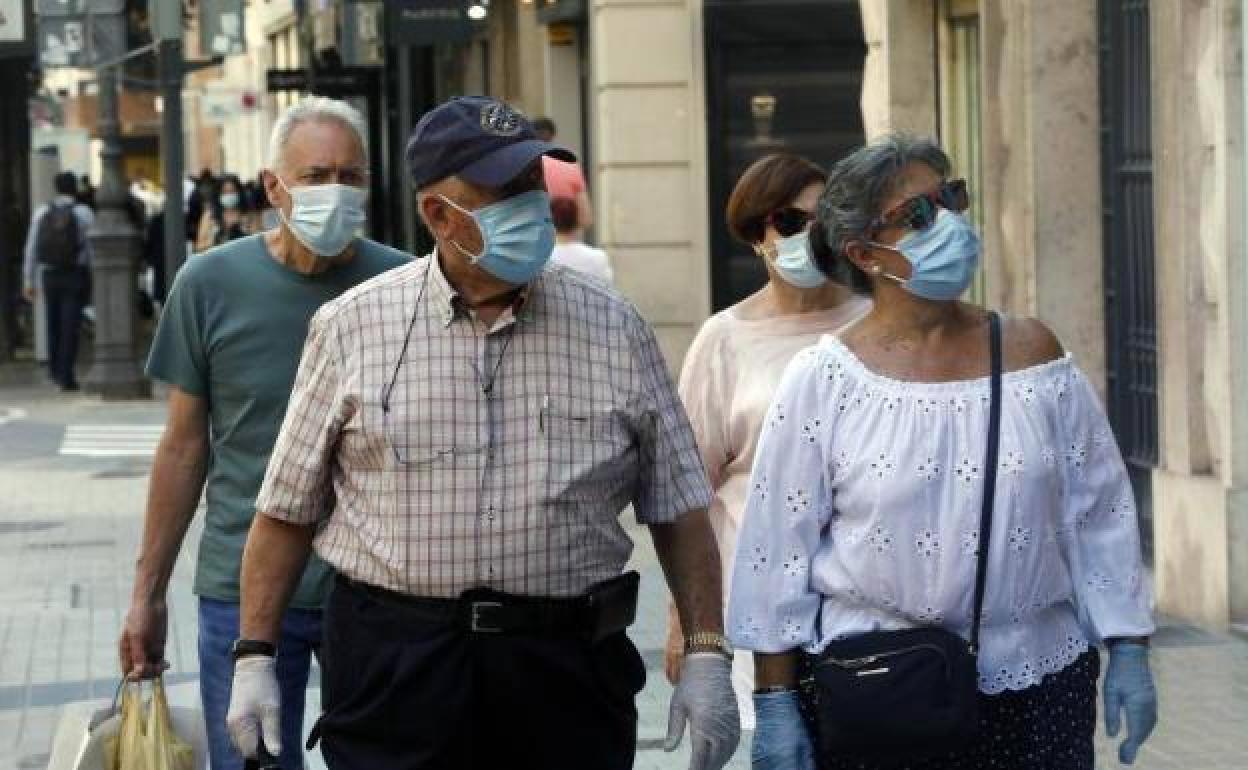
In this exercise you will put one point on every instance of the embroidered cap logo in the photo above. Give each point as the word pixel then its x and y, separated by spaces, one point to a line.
pixel 500 120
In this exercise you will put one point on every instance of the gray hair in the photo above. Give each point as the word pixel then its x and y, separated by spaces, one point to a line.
pixel 858 185
pixel 310 109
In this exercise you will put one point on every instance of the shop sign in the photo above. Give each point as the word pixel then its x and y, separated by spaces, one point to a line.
pixel 428 22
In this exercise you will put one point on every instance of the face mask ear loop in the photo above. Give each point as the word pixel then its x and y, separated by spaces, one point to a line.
pixel 473 258
pixel 885 273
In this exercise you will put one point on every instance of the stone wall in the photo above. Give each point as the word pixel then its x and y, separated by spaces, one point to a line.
pixel 649 156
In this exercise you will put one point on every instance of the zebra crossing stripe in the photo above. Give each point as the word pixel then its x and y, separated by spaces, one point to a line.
pixel 111 440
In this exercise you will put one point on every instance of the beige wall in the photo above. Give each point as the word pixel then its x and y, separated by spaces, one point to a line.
pixel 899 74
pixel 1198 205
pixel 649 141
pixel 1042 169
pixel 1041 153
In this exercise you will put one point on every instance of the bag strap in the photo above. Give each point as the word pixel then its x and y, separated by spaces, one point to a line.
pixel 990 478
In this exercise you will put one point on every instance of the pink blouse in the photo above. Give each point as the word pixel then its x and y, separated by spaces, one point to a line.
pixel 730 374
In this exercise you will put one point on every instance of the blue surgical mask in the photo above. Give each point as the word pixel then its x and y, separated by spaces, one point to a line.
pixel 794 262
pixel 517 236
pixel 943 258
pixel 324 217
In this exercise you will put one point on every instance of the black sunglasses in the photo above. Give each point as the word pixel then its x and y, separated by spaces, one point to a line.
pixel 789 220
pixel 921 211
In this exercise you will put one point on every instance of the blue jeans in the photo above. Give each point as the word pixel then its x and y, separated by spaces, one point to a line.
pixel 218 628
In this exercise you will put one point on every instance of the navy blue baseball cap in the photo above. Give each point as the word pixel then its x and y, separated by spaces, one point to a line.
pixel 482 140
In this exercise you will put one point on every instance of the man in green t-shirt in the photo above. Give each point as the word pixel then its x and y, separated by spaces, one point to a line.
pixel 228 345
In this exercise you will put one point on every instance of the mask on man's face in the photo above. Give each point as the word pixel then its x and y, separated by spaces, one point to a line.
pixel 517 236
pixel 324 217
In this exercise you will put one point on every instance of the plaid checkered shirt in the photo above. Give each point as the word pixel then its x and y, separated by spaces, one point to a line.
pixel 502 457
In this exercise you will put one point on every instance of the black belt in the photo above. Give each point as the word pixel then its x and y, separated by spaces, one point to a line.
pixel 606 608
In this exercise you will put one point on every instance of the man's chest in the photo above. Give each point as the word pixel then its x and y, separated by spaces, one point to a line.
pixel 518 403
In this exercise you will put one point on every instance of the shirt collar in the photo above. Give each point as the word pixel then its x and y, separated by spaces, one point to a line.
pixel 445 300
pixel 63 199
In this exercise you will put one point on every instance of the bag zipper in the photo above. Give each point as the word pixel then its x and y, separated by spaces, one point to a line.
pixel 869 660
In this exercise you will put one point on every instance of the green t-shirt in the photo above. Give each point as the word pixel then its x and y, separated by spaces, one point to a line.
pixel 232 332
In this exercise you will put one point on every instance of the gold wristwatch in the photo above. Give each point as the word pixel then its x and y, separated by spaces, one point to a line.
pixel 708 641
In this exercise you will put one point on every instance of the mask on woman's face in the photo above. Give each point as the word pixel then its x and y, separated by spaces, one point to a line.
pixel 793 262
pixel 943 258
pixel 230 200
pixel 517 236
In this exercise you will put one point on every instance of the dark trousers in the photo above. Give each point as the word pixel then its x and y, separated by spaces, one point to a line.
pixel 63 296
pixel 403 693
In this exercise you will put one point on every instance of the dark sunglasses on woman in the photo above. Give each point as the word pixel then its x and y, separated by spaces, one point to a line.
pixel 920 211
pixel 789 221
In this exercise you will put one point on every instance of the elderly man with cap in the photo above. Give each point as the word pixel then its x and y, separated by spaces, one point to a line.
pixel 462 438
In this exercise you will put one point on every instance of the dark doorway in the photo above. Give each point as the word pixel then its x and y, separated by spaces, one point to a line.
pixel 781 75
pixel 1130 296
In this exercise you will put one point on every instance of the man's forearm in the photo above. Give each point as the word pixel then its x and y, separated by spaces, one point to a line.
pixel 177 482
pixel 690 559
pixel 273 562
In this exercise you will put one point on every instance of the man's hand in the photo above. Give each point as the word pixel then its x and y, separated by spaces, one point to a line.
pixel 255 706
pixel 705 699
pixel 30 292
pixel 142 644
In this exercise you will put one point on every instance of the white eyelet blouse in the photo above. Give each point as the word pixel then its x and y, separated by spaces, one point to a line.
pixel 864 506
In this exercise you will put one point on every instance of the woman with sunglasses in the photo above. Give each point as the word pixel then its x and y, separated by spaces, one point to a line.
pixel 735 362
pixel 864 507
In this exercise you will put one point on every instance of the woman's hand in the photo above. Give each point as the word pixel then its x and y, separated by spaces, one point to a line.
pixel 781 741
pixel 1129 688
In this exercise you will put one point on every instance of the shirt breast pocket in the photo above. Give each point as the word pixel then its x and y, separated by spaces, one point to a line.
pixel 585 451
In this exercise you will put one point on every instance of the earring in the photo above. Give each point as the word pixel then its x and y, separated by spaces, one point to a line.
pixel 876 269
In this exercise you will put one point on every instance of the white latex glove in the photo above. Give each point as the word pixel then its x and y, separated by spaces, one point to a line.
pixel 255 706
pixel 705 699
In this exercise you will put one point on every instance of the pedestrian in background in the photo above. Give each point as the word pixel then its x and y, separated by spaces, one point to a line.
pixel 734 365
pixel 58 263
pixel 203 190
pixel 228 346
pixel 462 438
pixel 226 217
pixel 564 179
pixel 570 247
pixel 86 192
pixel 863 514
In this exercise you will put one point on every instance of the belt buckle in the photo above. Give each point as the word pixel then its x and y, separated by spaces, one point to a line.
pixel 476 623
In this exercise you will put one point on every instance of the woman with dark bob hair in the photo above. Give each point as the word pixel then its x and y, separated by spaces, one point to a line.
pixel 876 471
pixel 734 365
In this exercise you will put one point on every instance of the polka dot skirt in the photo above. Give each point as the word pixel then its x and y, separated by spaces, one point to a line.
pixel 1046 727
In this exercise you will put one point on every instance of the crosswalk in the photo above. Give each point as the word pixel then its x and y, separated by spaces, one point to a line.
pixel 111 440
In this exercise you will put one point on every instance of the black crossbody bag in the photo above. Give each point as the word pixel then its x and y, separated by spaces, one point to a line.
pixel 911 692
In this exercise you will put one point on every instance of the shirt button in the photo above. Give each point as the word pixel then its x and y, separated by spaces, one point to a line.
pixel 489 514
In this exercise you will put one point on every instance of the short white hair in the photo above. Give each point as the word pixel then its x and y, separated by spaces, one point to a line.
pixel 313 109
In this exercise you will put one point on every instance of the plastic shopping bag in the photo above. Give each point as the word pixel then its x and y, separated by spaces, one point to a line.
pixel 83 735
pixel 146 739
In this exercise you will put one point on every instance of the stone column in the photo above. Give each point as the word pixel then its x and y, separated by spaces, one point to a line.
pixel 1198 489
pixel 649 138
pixel 1041 160
pixel 899 76
pixel 115 371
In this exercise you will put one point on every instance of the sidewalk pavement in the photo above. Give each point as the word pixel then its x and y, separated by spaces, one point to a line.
pixel 69 527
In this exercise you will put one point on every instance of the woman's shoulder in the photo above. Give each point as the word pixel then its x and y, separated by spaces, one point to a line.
pixel 1028 343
